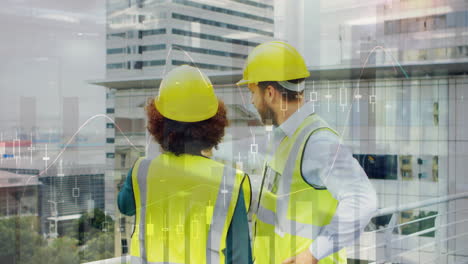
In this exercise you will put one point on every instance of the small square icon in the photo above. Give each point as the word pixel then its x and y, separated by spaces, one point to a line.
pixel 254 148
pixel 313 96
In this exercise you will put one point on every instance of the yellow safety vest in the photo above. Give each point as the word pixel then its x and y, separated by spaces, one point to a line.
pixel 291 213
pixel 184 206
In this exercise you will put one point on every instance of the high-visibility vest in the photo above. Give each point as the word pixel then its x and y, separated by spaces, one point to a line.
pixel 184 206
pixel 291 213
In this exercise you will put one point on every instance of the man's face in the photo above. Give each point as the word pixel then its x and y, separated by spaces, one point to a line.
pixel 258 100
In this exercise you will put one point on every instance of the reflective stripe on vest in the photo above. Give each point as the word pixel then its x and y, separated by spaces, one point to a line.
pixel 220 215
pixel 218 220
pixel 284 189
pixel 142 172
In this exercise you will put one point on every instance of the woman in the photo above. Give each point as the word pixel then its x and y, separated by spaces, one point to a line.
pixel 189 208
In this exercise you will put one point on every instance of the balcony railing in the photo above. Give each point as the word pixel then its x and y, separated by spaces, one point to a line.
pixel 388 245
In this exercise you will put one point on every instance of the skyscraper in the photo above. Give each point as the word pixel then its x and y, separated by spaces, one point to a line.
pixel 144 37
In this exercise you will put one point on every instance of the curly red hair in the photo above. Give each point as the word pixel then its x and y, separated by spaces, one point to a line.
pixel 186 137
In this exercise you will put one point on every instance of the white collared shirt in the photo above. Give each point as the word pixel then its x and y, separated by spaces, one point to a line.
pixel 342 176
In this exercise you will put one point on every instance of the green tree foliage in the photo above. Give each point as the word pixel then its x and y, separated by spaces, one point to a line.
pixel 60 250
pixel 91 224
pixel 99 247
pixel 22 243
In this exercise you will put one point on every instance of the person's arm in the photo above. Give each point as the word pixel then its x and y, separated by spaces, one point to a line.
pixel 238 249
pixel 125 199
pixel 328 163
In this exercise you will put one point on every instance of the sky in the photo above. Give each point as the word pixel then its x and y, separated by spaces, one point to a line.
pixel 50 49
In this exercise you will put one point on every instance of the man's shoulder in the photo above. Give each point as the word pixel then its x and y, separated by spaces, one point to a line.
pixel 324 133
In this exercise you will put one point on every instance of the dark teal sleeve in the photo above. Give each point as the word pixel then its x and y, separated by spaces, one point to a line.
pixel 125 199
pixel 238 249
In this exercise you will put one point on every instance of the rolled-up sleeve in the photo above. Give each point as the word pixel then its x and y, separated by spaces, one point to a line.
pixel 328 163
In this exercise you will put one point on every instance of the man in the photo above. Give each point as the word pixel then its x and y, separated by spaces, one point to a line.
pixel 315 198
pixel 189 208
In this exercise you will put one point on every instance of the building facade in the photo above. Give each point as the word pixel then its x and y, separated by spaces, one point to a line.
pixel 146 38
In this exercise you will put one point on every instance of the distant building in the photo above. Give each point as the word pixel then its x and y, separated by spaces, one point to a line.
pixel 19 194
pixel 68 193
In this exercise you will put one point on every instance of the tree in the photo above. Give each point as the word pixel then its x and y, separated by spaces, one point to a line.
pixel 19 239
pixel 21 243
pixel 60 250
pixel 90 225
pixel 100 247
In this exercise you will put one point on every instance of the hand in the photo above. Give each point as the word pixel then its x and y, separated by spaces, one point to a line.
pixel 305 257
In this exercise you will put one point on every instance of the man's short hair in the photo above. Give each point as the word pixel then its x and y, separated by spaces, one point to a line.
pixel 289 95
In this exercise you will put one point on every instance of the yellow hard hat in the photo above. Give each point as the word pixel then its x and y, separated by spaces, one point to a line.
pixel 187 95
pixel 274 61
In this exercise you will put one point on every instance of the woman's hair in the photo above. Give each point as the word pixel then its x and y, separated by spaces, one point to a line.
pixel 186 137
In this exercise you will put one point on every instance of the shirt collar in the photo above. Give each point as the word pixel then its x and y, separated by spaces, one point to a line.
pixel 294 121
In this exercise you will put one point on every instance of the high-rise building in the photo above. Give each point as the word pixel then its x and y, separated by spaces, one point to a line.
pixel 147 37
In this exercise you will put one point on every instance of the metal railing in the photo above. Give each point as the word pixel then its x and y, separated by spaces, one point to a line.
pixel 386 238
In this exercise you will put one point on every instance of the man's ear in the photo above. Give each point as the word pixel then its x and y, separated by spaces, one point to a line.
pixel 270 94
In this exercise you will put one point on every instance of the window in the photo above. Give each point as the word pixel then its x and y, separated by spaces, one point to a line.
pixel 220 24
pixel 131 34
pixel 137 65
pixel 122 224
pixel 154 63
pixel 205 66
pixel 112 66
pixel 115 51
pixel 214 38
pixel 440 22
pixel 153 47
pixel 254 3
pixel 110 125
pixel 451 20
pixel 117 35
pixel 124 246
pixel 123 156
pixel 223 10
pixel 151 32
pixel 210 51
pixel 110 110
pixel 140 3
pixel 110 155
pixel 110 140
pixel 378 166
